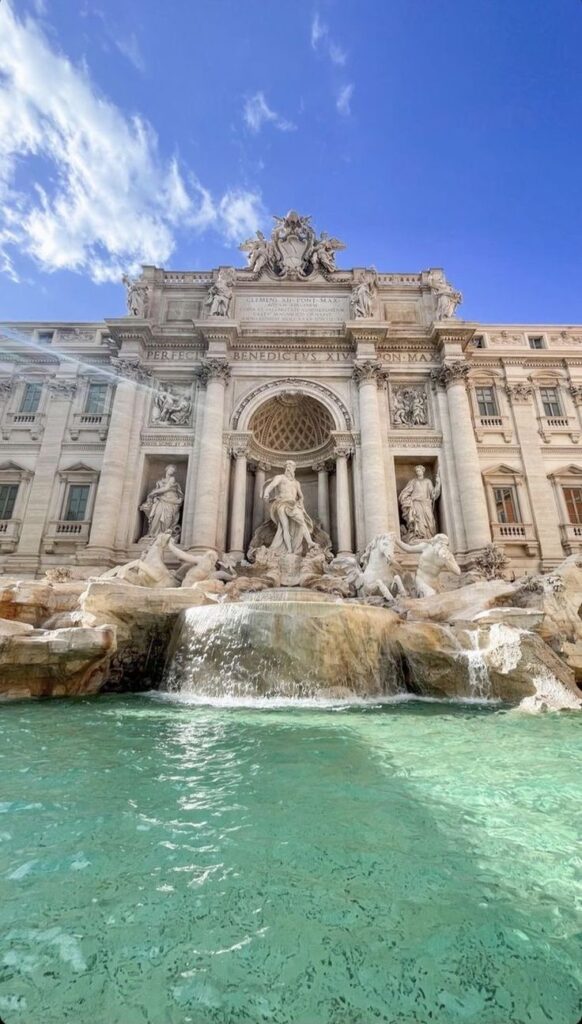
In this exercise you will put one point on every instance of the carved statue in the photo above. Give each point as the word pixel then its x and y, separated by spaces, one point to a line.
pixel 409 408
pixel 293 251
pixel 149 570
pixel 417 500
pixel 362 300
pixel 294 526
pixel 435 557
pixel 162 505
pixel 260 252
pixel 448 298
pixel 170 407
pixel 380 575
pixel 137 295
pixel 220 293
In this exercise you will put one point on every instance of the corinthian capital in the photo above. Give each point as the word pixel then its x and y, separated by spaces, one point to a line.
pixel 132 369
pixel 576 392
pixel 451 373
pixel 519 392
pixel 369 370
pixel 214 369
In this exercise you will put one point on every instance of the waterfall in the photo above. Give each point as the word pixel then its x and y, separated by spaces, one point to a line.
pixel 286 643
pixel 479 680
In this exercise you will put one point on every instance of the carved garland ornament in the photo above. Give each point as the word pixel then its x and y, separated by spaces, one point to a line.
pixel 131 369
pixel 61 388
pixel 521 392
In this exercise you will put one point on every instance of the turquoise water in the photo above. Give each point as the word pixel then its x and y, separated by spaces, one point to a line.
pixel 413 863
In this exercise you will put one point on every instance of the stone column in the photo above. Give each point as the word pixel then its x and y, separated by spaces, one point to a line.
pixel 108 501
pixel 239 499
pixel 453 377
pixel 215 373
pixel 39 501
pixel 321 468
pixel 542 501
pixel 343 510
pixel 258 501
pixel 376 517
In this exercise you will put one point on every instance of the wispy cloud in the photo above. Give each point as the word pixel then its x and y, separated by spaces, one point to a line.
pixel 322 41
pixel 257 112
pixel 108 199
pixel 129 47
pixel 343 101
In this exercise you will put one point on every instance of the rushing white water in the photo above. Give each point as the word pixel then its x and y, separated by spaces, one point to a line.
pixel 479 680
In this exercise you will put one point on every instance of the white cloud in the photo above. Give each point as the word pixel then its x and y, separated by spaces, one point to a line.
pixel 257 112
pixel 344 99
pixel 337 55
pixel 318 30
pixel 241 213
pixel 129 47
pixel 109 201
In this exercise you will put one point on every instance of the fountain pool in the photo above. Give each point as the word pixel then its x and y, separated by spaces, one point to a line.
pixel 163 861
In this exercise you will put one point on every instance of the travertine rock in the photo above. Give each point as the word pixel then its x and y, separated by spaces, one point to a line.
pixel 59 663
pixel 33 601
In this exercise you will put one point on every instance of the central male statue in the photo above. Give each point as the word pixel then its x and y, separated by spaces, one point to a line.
pixel 288 512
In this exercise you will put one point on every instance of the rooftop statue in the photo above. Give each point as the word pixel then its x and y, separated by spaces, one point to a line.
pixel 137 295
pixel 293 251
pixel 220 293
pixel 447 297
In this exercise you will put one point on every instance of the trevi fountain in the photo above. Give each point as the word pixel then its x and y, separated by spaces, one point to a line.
pixel 322 765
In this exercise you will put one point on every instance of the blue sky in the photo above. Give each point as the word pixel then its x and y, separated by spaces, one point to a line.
pixel 420 132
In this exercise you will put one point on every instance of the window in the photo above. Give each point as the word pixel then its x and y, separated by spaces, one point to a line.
pixel 487 401
pixel 551 402
pixel 573 499
pixel 45 337
pixel 95 402
pixel 478 341
pixel 536 341
pixel 8 494
pixel 31 398
pixel 77 498
pixel 506 504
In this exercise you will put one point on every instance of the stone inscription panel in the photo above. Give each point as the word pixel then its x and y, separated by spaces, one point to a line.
pixel 311 309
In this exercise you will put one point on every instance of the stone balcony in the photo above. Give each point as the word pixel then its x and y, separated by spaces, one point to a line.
pixel 493 425
pixel 66 534
pixel 571 534
pixel 9 534
pixel 515 533
pixel 556 426
pixel 15 424
pixel 83 422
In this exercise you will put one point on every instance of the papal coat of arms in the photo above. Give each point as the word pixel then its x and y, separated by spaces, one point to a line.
pixel 293 251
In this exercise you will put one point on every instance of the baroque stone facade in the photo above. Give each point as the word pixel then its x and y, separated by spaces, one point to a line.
pixel 215 379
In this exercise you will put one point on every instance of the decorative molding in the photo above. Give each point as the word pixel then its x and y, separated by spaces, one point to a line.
pixel 519 393
pixel 280 385
pixel 163 440
pixel 61 388
pixel 131 369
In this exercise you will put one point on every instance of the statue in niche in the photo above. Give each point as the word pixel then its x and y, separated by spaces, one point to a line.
pixel 220 293
pixel 162 505
pixel 409 408
pixel 417 500
pixel 170 407
pixel 137 295
pixel 294 526
pixel 362 300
